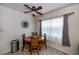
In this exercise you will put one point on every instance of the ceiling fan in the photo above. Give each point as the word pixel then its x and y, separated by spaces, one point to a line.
pixel 33 8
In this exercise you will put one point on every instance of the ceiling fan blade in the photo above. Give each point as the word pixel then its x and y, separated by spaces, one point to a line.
pixel 40 7
pixel 39 13
pixel 27 6
pixel 27 11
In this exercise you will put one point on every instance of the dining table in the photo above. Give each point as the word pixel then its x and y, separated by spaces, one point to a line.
pixel 41 40
pixel 28 39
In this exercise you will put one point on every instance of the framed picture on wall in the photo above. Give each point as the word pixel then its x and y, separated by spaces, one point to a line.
pixel 24 24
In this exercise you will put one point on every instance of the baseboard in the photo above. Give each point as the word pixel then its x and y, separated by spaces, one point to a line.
pixel 7 51
pixel 4 52
pixel 61 50
pixel 54 45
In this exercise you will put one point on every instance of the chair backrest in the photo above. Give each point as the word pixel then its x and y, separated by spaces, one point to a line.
pixel 35 42
pixel 23 38
pixel 44 37
pixel 34 34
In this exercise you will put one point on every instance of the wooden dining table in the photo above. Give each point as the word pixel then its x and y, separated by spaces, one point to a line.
pixel 28 39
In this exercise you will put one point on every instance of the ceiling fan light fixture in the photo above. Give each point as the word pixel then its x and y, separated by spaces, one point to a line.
pixel 33 12
pixel 33 15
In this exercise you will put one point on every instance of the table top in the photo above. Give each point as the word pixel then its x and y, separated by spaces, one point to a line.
pixel 29 38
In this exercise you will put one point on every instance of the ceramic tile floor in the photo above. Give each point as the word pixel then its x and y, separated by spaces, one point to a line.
pixel 48 51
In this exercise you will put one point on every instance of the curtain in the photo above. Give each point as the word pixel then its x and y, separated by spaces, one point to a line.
pixel 46 27
pixel 53 28
pixel 40 28
pixel 65 37
pixel 57 29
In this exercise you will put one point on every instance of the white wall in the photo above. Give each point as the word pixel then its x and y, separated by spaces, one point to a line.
pixel 73 28
pixel 10 27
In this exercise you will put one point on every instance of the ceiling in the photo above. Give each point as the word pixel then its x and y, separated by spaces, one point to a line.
pixel 47 7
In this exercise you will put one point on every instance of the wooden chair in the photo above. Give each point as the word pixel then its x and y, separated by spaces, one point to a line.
pixel 34 45
pixel 24 42
pixel 44 41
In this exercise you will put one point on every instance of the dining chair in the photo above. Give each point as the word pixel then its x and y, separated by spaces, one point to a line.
pixel 34 34
pixel 44 42
pixel 24 42
pixel 34 45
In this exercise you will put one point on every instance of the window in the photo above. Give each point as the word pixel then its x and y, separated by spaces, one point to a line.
pixel 53 28
pixel 46 27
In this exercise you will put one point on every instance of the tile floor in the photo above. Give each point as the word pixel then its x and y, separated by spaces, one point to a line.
pixel 48 51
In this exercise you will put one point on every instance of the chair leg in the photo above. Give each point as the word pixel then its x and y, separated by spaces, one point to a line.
pixel 29 49
pixel 30 52
pixel 40 49
pixel 22 48
pixel 45 46
pixel 38 52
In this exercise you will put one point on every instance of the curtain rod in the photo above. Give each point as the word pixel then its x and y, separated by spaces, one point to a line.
pixel 61 15
pixel 68 13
